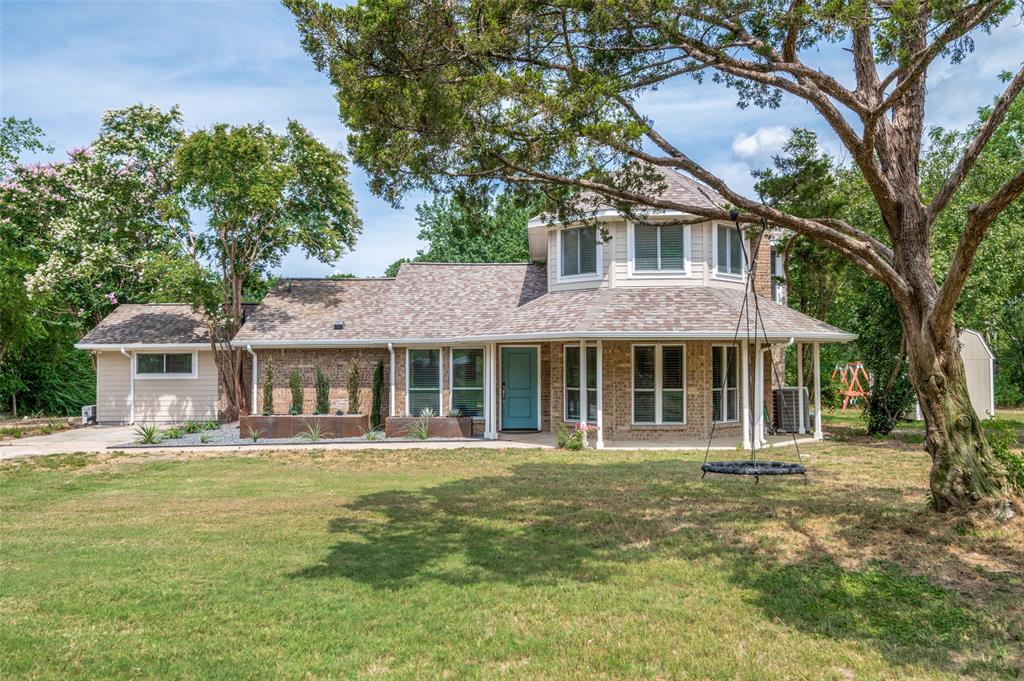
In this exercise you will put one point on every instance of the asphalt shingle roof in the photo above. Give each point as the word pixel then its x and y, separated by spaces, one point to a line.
pixel 139 324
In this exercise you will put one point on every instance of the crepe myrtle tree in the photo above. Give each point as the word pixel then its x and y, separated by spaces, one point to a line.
pixel 265 193
pixel 474 94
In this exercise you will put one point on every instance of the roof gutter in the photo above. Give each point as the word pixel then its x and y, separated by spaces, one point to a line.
pixel 822 337
pixel 131 384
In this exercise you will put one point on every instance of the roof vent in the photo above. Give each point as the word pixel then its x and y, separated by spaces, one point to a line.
pixel 339 325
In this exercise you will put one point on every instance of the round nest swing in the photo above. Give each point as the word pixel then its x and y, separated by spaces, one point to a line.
pixel 751 466
pixel 755 468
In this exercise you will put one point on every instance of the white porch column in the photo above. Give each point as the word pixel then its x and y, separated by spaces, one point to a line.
pixel 600 395
pixel 745 390
pixel 583 381
pixel 759 438
pixel 818 435
pixel 490 392
pixel 800 387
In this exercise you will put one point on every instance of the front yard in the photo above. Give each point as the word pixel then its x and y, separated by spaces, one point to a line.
pixel 497 564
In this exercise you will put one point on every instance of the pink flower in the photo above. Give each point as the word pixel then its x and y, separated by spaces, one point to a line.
pixel 111 298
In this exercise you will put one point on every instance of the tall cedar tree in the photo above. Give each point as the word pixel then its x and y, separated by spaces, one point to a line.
pixel 475 94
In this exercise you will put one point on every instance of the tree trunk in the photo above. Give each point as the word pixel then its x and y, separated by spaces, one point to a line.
pixel 965 473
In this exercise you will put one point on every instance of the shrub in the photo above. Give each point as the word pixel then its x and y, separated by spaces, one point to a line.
pixel 323 392
pixel 353 388
pixel 192 427
pixel 172 433
pixel 378 395
pixel 268 391
pixel 568 438
pixel 211 425
pixel 1008 392
pixel 147 434
pixel 255 434
pixel 421 428
pixel 204 438
pixel 454 413
pixel 296 387
pixel 1002 437
pixel 373 434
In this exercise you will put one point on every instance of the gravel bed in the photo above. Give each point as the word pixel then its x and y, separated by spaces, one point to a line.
pixel 228 436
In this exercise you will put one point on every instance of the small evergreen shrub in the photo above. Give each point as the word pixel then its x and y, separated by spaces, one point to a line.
pixel 568 438
pixel 378 395
pixel 147 434
pixel 192 427
pixel 353 388
pixel 323 391
pixel 268 391
pixel 295 383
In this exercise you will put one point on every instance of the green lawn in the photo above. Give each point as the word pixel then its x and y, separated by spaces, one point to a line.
pixel 497 564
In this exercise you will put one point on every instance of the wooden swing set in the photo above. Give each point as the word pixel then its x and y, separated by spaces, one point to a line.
pixel 853 381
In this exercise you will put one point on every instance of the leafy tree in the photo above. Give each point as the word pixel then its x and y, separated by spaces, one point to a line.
pixel 265 194
pixel 474 94
pixel 465 228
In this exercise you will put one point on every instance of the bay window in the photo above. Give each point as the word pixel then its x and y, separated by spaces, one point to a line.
pixel 724 384
pixel 579 251
pixel 659 248
pixel 572 384
pixel 659 384
pixel 728 251
pixel 468 381
pixel 424 382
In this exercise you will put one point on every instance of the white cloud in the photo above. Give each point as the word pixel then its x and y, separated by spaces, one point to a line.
pixel 765 140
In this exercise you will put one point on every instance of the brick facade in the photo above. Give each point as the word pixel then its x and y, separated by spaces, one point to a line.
pixel 336 363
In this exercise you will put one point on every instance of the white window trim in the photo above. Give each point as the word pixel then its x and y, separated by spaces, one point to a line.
pixel 451 378
pixel 727 276
pixel 725 412
pixel 658 387
pixel 597 276
pixel 633 273
pixel 565 386
pixel 165 377
pixel 440 378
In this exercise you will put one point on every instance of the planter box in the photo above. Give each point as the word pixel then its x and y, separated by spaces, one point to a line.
pixel 286 425
pixel 439 426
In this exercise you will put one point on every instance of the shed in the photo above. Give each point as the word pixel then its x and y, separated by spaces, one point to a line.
pixel 979 366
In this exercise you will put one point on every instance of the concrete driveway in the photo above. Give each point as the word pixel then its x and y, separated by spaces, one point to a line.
pixel 89 439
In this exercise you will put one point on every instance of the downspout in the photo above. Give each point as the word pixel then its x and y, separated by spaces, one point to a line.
pixel 255 377
pixel 131 388
pixel 391 401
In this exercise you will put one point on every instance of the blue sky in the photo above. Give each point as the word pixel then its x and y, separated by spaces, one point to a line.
pixel 64 63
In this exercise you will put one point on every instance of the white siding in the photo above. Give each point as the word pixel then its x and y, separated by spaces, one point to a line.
pixel 156 400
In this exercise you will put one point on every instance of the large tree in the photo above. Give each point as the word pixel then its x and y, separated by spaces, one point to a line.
pixel 471 93
pixel 265 194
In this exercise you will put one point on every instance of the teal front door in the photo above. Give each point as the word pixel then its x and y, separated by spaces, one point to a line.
pixel 519 394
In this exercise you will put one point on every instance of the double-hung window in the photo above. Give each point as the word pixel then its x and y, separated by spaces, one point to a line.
pixel 724 384
pixel 424 387
pixel 659 248
pixel 468 381
pixel 165 365
pixel 729 253
pixel 659 384
pixel 572 384
pixel 579 251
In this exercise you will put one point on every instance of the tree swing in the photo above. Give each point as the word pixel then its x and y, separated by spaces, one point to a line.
pixel 753 466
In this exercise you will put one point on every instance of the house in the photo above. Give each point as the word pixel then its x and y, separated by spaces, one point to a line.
pixel 631 325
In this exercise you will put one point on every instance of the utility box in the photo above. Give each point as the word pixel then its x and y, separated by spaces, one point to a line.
pixel 88 414
pixel 787 410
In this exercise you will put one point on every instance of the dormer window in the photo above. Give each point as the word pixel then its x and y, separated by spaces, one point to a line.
pixel 728 252
pixel 660 249
pixel 579 254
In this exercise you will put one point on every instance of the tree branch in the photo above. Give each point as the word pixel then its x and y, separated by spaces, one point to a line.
pixel 979 218
pixel 973 151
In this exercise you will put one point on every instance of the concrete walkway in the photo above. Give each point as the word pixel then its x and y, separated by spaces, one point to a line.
pixel 103 438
